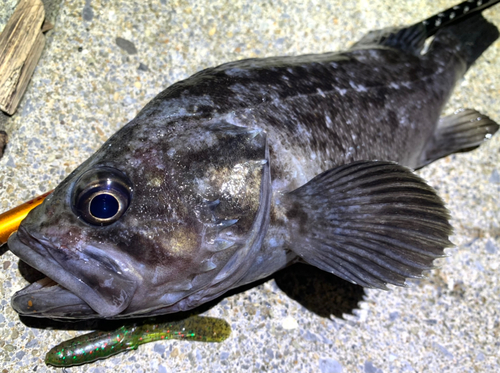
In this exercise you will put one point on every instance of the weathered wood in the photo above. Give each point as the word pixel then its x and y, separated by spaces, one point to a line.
pixel 46 26
pixel 21 44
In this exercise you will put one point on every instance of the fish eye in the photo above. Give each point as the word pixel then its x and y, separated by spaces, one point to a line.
pixel 102 195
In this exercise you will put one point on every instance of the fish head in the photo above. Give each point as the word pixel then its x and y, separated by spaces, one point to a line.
pixel 159 220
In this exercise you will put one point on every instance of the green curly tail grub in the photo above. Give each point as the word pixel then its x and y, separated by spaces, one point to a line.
pixel 100 345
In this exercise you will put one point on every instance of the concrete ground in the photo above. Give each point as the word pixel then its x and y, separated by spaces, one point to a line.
pixel 87 86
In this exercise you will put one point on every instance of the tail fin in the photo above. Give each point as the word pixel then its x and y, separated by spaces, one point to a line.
pixel 474 34
pixel 455 14
pixel 463 21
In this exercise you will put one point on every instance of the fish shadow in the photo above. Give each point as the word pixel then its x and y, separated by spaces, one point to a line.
pixel 320 292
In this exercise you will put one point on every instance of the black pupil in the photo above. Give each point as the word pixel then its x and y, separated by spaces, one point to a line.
pixel 104 206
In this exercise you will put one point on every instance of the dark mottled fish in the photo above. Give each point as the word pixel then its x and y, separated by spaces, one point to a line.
pixel 242 169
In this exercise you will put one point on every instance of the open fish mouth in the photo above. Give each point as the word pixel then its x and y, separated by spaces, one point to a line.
pixel 93 288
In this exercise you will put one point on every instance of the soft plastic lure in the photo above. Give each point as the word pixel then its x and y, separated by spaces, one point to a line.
pixel 10 220
pixel 100 345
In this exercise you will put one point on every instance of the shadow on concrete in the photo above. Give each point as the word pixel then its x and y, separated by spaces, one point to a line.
pixel 320 292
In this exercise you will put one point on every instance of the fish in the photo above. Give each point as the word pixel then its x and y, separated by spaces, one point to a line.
pixel 245 168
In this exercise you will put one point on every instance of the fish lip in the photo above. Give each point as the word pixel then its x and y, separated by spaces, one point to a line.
pixel 43 299
pixel 39 253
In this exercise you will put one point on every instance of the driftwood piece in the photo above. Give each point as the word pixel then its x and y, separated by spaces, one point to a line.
pixel 21 44
pixel 47 26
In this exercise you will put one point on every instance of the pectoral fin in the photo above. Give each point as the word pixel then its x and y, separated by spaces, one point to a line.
pixel 371 223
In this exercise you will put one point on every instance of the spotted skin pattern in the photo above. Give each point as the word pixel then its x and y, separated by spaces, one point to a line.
pixel 214 161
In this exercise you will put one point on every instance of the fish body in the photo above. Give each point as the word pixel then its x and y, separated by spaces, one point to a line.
pixel 240 170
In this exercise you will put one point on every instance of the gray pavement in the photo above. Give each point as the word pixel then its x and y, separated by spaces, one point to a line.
pixel 87 86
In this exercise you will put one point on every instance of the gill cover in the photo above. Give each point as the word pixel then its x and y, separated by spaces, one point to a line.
pixel 236 188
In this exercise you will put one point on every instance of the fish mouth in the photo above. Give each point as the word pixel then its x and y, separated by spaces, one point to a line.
pixel 46 298
pixel 79 285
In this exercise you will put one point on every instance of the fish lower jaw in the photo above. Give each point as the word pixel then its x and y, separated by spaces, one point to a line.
pixel 81 293
pixel 48 299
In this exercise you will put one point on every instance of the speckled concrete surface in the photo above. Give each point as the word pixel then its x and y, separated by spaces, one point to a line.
pixel 86 87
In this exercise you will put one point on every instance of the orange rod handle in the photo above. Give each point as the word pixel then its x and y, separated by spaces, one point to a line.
pixel 10 220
